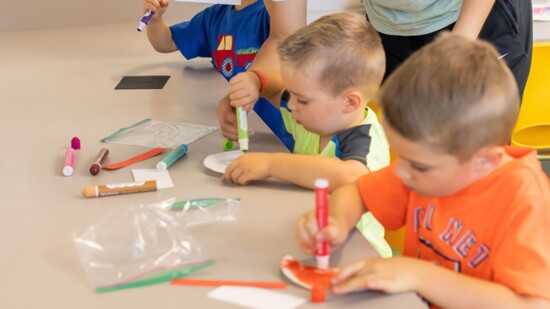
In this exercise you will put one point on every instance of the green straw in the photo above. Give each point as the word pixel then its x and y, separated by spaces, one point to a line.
pixel 156 278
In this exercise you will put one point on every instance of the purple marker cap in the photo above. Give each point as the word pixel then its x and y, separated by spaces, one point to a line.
pixel 75 143
pixel 145 20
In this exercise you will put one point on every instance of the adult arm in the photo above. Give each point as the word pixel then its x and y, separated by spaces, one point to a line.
pixel 473 15
pixel 285 18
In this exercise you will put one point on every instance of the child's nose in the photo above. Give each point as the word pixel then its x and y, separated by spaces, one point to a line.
pixel 401 170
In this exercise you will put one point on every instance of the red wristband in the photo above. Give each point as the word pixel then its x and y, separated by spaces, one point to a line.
pixel 262 79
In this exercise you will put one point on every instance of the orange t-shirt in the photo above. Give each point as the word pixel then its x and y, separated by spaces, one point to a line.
pixel 497 229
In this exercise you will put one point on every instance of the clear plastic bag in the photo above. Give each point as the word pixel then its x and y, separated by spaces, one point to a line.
pixel 201 211
pixel 156 133
pixel 136 247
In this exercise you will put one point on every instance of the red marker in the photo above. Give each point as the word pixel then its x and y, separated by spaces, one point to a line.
pixel 321 214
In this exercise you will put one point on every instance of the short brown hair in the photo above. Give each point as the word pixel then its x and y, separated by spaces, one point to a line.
pixel 454 94
pixel 343 47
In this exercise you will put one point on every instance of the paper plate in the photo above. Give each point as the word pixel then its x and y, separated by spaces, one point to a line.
pixel 219 161
pixel 304 275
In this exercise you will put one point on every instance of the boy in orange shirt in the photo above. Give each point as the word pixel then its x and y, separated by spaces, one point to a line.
pixel 476 212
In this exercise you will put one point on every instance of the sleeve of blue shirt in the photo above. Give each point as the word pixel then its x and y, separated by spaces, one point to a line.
pixel 191 36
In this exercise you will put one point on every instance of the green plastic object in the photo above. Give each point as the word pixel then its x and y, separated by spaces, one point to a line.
pixel 203 202
pixel 227 145
pixel 157 278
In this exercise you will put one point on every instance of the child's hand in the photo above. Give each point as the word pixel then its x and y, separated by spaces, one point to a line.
pixel 398 274
pixel 227 118
pixel 157 6
pixel 248 167
pixel 309 237
pixel 244 90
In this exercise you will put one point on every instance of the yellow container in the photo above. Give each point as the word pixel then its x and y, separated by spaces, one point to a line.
pixel 533 126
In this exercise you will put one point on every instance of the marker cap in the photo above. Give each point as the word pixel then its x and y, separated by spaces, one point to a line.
pixel 75 143
pixel 227 144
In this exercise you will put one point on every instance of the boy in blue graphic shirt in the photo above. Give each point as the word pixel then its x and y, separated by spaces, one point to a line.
pixel 230 34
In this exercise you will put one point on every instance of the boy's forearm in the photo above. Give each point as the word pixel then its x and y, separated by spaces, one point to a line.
pixel 160 36
pixel 346 205
pixel 448 289
pixel 302 170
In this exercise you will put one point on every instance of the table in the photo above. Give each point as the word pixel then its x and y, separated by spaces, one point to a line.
pixel 59 83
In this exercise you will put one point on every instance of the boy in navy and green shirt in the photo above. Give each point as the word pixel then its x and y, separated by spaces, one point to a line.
pixel 330 69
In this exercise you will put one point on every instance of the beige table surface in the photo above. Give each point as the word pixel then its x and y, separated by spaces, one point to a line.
pixel 59 83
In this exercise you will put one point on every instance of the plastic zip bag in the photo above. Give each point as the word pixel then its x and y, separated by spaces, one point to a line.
pixel 201 211
pixel 157 133
pixel 137 247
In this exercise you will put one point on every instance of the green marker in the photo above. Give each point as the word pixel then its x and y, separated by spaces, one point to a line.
pixel 172 157
pixel 242 128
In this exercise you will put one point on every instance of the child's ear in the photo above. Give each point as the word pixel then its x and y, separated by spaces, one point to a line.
pixel 352 100
pixel 488 158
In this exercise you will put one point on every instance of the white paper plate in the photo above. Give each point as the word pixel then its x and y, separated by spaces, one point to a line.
pixel 290 275
pixel 219 161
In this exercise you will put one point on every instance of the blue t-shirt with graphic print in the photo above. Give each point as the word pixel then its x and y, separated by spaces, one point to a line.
pixel 232 39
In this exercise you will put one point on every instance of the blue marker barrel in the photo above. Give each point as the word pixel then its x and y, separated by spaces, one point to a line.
pixel 172 157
